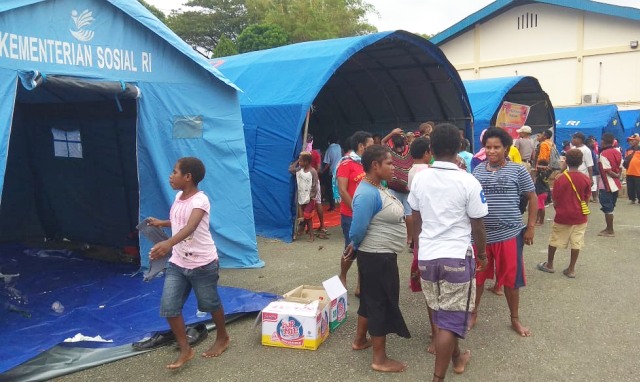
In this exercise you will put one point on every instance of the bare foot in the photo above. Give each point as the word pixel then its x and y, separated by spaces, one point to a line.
pixel 361 344
pixel 461 361
pixel 606 233
pixel 518 328
pixel 389 366
pixel 569 273
pixel 343 280
pixel 217 348
pixel 310 239
pixel 182 359
pixel 431 348
pixel 472 319
pixel 496 290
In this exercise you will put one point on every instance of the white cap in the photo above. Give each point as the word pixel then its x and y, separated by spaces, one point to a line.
pixel 524 129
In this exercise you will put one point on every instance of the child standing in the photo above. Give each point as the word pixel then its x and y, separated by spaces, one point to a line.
pixel 193 262
pixel 543 172
pixel 421 153
pixel 571 190
pixel 307 180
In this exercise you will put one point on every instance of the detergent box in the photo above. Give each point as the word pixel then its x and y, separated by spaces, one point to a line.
pixel 295 323
pixel 332 292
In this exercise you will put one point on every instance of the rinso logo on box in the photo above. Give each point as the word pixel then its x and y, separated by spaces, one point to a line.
pixel 270 317
pixel 342 309
pixel 290 332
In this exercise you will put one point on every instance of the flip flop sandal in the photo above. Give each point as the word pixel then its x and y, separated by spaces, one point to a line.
pixel 156 341
pixel 543 267
pixel 569 275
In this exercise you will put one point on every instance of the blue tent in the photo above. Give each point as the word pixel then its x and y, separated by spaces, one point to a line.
pixel 487 95
pixel 99 100
pixel 372 83
pixel 590 120
pixel 630 121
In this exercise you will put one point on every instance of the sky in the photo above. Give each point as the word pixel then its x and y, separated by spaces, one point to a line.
pixel 417 16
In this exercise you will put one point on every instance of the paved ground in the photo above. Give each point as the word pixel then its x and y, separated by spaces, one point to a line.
pixel 585 329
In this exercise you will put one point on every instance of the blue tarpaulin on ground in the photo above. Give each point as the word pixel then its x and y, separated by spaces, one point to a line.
pixel 108 99
pixel 374 83
pixel 630 121
pixel 487 95
pixel 98 298
pixel 590 120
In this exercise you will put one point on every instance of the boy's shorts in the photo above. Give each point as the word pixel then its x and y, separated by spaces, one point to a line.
pixel 506 257
pixel 449 287
pixel 542 200
pixel 608 201
pixel 309 209
pixel 563 235
pixel 178 282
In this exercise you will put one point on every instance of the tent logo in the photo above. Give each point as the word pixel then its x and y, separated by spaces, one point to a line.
pixel 81 21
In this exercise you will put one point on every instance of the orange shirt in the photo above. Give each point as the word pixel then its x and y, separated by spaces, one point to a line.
pixel 545 150
pixel 634 164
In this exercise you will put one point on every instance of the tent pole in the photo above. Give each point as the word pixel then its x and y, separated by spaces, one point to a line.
pixel 304 142
pixel 306 129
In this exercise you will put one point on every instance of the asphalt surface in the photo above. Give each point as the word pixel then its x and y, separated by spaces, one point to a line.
pixel 584 329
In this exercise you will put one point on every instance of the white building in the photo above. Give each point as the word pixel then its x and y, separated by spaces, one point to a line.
pixel 581 51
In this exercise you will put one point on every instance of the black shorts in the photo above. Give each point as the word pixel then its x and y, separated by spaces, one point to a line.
pixel 380 294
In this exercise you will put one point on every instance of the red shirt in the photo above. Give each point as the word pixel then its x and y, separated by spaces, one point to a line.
pixel 315 159
pixel 565 201
pixel 354 172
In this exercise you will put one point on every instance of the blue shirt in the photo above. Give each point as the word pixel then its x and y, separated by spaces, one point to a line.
pixel 502 189
pixel 332 156
pixel 366 203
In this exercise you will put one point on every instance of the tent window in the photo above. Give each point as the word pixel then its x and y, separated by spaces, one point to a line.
pixel 186 126
pixel 67 144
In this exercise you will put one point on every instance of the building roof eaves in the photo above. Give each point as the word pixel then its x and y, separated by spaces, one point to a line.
pixel 500 6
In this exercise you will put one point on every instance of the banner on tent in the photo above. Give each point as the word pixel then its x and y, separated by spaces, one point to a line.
pixel 77 50
pixel 511 117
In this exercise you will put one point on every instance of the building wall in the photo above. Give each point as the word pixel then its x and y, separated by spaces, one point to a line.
pixel 572 53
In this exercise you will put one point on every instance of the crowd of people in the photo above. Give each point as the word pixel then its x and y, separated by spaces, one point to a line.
pixel 465 217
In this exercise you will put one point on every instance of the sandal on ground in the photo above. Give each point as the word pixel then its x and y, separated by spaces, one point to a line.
pixel 543 267
pixel 569 275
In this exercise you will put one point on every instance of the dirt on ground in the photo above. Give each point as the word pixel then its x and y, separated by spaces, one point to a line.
pixel 584 329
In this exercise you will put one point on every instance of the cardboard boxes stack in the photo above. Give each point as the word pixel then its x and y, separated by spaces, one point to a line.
pixel 305 316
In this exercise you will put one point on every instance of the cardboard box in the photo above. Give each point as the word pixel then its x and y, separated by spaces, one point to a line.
pixel 333 292
pixel 295 323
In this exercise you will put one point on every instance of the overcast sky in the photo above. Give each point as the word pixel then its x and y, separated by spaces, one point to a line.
pixel 418 16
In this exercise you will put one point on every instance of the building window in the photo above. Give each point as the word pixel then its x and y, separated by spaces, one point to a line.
pixel 67 144
pixel 528 20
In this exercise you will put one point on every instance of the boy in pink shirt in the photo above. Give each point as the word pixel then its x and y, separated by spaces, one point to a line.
pixel 193 262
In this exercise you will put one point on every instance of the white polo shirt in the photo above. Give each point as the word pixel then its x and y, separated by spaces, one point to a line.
pixel 447 199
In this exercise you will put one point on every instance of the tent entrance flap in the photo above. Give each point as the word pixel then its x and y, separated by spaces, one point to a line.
pixel 71 169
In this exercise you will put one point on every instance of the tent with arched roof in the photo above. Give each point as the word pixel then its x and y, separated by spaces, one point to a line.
pixel 373 83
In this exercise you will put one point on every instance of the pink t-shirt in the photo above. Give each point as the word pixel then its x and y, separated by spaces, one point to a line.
pixel 198 249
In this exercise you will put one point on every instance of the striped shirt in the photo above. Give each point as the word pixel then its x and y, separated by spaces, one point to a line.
pixel 502 189
pixel 401 166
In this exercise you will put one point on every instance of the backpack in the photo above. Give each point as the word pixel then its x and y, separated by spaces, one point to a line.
pixel 554 158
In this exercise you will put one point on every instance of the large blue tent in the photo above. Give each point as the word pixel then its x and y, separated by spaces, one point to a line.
pixel 630 121
pixel 590 120
pixel 487 95
pixel 372 83
pixel 99 100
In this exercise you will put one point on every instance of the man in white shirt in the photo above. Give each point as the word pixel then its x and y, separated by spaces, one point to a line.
pixel 577 142
pixel 448 206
